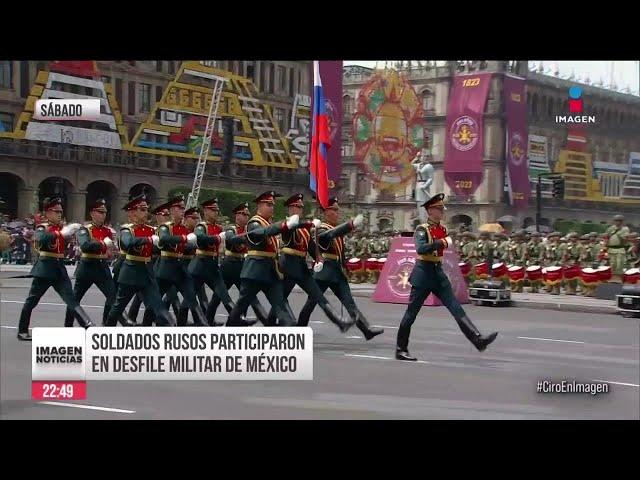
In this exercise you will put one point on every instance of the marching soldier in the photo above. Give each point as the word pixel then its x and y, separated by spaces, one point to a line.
pixel 586 261
pixel 191 219
pixel 170 272
pixel 136 240
pixel 594 245
pixel 617 246
pixel 235 252
pixel 49 270
pixel 502 247
pixel 517 255
pixel 261 271
pixel 331 245
pixel 95 240
pixel 431 240
pixel 204 267
pixel 161 212
pixel 296 244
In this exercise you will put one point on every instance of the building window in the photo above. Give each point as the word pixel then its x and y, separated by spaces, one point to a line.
pixel 278 115
pixel 172 67
pixel 263 78
pixel 158 93
pixel 119 91
pixel 282 75
pixel 159 65
pixel 428 101
pixel 272 77
pixel 25 80
pixel 292 74
pixel 144 90
pixel 132 98
pixel 251 71
pixel 6 74
pixel 6 122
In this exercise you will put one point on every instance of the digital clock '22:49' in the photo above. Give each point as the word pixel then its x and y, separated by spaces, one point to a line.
pixel 58 390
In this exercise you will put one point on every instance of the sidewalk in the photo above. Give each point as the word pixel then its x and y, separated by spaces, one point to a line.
pixel 567 303
pixel 544 301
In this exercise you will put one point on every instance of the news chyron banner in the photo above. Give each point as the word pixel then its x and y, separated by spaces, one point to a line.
pixel 65 359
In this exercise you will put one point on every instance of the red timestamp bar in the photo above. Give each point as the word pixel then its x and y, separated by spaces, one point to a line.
pixel 58 390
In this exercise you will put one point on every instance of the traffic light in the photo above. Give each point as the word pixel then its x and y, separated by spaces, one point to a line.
pixel 558 188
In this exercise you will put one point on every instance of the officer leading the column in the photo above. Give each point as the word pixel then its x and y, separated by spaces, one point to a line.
pixel 428 276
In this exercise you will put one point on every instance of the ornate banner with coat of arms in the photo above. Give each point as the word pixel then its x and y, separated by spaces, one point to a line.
pixel 516 140
pixel 464 146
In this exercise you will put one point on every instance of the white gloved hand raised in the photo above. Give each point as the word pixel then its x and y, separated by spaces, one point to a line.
pixel 70 229
pixel 293 221
pixel 317 267
pixel 192 239
pixel 223 236
pixel 108 242
pixel 316 222
pixel 155 239
pixel 449 242
pixel 358 220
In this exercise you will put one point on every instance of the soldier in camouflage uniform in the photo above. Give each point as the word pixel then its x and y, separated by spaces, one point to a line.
pixel 535 256
pixel 586 259
pixel 468 254
pixel 553 258
pixel 517 255
pixel 571 256
pixel 482 248
pixel 617 246
pixel 502 247
pixel 633 252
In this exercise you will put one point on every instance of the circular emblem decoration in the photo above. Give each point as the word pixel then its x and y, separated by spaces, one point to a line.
pixel 398 278
pixel 464 133
pixel 516 149
pixel 388 129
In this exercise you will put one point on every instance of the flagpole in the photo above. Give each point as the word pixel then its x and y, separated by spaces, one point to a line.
pixel 314 123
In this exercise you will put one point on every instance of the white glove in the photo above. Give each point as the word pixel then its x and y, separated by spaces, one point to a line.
pixel 108 242
pixel 449 241
pixel 293 221
pixel 358 220
pixel 317 267
pixel 192 239
pixel 316 222
pixel 70 229
pixel 223 236
pixel 155 239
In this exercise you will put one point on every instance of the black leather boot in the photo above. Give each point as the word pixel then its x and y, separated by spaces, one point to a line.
pixel 470 331
pixel 368 331
pixel 404 355
pixel 83 319
pixel 182 316
pixel 332 315
pixel 125 321
pixel 199 319
pixel 134 308
pixel 24 336
pixel 68 318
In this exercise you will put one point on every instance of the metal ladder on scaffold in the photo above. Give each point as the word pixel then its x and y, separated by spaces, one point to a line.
pixel 218 87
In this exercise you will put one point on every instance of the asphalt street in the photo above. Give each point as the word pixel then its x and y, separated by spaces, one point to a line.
pixel 356 379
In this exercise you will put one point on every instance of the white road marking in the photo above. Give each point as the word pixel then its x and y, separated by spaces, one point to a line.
pixel 316 321
pixel 88 407
pixel 385 326
pixel 550 340
pixel 377 358
pixel 353 336
pixel 617 383
pixel 54 304
pixel 8 326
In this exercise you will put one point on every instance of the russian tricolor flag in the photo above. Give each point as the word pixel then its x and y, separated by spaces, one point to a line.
pixel 320 142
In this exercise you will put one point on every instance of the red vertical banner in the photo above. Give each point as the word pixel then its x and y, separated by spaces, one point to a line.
pixel 331 74
pixel 516 140
pixel 464 146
